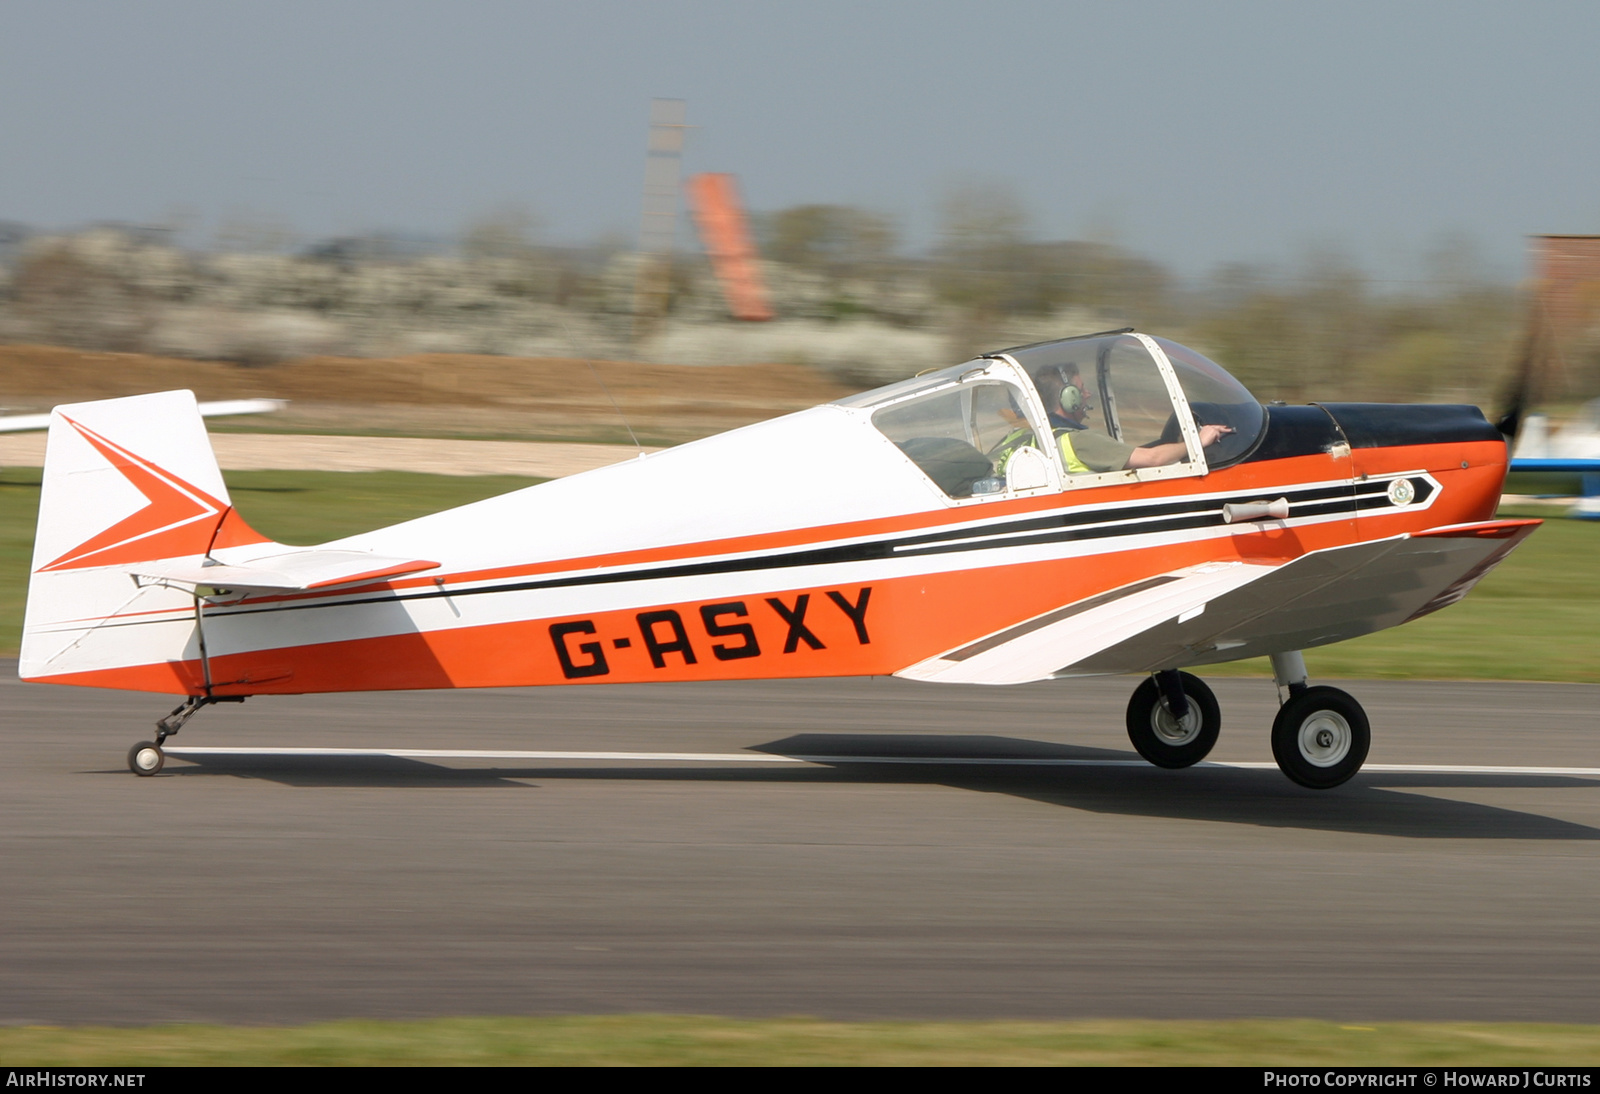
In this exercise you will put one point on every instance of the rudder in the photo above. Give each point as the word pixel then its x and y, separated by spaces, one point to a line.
pixel 126 481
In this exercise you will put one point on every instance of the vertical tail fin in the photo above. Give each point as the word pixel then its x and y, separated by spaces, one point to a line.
pixel 125 481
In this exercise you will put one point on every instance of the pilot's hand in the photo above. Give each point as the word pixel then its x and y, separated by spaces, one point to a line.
pixel 1211 434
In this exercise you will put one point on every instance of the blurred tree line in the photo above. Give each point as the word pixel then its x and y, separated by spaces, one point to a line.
pixel 1319 329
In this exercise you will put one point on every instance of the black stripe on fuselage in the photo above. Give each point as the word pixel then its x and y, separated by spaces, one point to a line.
pixel 1070 526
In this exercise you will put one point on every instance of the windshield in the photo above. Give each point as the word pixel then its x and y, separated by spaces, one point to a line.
pixel 1216 398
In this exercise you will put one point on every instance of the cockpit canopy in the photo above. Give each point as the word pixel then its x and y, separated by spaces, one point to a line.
pixel 1064 413
pixel 1135 403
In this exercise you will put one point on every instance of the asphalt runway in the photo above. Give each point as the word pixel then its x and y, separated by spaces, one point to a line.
pixel 271 888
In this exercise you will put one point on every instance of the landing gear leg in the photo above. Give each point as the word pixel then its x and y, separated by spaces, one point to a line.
pixel 146 757
pixel 1321 735
pixel 1289 673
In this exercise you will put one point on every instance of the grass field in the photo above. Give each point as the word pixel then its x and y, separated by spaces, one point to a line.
pixel 666 1040
pixel 1537 617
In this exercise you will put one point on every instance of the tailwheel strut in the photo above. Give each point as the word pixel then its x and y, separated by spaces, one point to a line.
pixel 146 757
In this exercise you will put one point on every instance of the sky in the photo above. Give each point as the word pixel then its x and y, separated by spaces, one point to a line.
pixel 1196 134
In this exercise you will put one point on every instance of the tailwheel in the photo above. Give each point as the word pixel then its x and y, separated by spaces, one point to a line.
pixel 1167 739
pixel 146 758
pixel 1320 737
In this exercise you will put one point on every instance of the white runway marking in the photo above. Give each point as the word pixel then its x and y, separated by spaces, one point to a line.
pixel 1443 769
pixel 482 754
pixel 767 758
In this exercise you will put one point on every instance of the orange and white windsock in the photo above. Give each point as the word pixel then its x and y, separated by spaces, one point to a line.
pixel 714 200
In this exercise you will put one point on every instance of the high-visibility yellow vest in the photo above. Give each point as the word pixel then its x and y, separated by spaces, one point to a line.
pixel 1075 466
pixel 1023 438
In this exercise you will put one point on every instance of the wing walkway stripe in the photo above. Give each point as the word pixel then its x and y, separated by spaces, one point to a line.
pixel 806 758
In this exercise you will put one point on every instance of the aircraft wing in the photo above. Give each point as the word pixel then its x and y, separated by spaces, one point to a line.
pixel 23 423
pixel 1232 610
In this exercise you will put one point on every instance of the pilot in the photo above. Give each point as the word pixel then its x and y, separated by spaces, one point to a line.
pixel 1085 451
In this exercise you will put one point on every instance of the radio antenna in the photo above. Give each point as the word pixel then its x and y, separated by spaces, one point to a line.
pixel 584 353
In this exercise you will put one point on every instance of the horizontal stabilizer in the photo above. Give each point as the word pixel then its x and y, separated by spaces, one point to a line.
pixel 134 522
pixel 287 570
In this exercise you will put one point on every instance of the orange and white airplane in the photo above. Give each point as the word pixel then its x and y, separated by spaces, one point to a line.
pixel 1113 503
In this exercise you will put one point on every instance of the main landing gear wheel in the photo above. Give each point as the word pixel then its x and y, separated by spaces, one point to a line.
pixel 1165 739
pixel 146 758
pixel 1320 737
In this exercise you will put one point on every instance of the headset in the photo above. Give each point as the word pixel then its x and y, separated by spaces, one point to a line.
pixel 1072 399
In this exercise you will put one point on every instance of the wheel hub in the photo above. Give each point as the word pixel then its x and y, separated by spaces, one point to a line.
pixel 1325 738
pixel 1173 730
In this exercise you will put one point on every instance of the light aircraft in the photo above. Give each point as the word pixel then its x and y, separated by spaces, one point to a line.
pixel 26 423
pixel 1112 503
pixel 1572 450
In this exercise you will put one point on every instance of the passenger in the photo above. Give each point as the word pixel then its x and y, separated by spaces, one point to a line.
pixel 1086 451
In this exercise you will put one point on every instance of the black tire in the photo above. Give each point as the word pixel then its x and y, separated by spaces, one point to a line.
pixel 1320 737
pixel 1164 740
pixel 146 758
